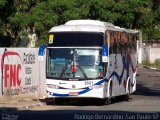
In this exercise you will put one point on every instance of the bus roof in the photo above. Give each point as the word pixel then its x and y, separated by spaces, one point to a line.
pixel 89 22
pixel 89 26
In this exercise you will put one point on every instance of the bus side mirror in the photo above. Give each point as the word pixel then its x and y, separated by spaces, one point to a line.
pixel 41 52
pixel 105 53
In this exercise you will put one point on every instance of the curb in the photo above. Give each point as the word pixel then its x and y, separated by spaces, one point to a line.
pixel 31 106
pixel 24 105
pixel 152 68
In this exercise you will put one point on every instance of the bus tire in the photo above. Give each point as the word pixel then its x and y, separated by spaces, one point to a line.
pixel 58 101
pixel 101 102
pixel 49 101
pixel 109 100
pixel 126 97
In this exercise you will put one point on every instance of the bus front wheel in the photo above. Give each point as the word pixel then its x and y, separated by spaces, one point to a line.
pixel 58 101
pixel 110 95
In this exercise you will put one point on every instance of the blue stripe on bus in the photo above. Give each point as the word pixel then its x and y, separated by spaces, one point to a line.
pixel 99 82
pixel 57 94
pixel 115 74
pixel 79 93
pixel 84 91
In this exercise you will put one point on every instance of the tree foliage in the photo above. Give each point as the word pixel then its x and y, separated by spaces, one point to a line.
pixel 17 16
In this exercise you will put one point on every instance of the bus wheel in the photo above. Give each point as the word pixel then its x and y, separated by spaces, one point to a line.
pixel 49 101
pixel 58 101
pixel 101 102
pixel 109 101
pixel 126 97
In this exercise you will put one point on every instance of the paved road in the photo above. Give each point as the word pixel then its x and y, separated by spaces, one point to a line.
pixel 143 104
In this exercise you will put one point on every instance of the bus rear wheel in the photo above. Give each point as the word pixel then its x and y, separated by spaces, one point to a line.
pixel 126 97
pixel 101 102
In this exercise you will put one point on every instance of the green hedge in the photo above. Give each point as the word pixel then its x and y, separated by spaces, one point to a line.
pixel 155 64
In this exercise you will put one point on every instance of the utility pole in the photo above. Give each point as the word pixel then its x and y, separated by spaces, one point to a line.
pixel 139 49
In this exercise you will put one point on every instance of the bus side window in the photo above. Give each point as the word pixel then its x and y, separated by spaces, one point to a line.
pixel 111 50
pixel 115 47
pixel 134 43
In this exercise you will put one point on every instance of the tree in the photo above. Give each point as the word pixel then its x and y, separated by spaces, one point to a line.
pixel 5 12
pixel 2 3
pixel 22 17
pixel 46 14
pixel 156 13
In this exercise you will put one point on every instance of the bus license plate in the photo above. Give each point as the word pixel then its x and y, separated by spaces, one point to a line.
pixel 73 93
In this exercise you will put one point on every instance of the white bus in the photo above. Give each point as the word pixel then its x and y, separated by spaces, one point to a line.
pixel 90 59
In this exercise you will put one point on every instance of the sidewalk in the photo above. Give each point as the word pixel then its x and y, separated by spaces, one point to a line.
pixel 152 68
pixel 22 104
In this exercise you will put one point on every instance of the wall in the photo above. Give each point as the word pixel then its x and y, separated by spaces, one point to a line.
pixel 150 53
pixel 21 74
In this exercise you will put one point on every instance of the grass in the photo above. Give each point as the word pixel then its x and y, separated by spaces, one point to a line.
pixel 156 64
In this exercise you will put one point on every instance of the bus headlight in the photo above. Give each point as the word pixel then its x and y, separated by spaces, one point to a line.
pixel 52 86
pixel 96 86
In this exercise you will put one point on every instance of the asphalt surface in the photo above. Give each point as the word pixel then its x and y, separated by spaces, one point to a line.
pixel 144 104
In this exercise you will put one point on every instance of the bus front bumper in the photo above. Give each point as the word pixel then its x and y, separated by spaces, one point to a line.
pixel 80 93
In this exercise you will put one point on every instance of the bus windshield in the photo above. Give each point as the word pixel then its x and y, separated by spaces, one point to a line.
pixel 74 63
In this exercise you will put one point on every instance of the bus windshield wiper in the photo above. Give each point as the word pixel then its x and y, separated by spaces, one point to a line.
pixel 64 69
pixel 82 70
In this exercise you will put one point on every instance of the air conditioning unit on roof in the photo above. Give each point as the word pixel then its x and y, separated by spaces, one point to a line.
pixel 89 22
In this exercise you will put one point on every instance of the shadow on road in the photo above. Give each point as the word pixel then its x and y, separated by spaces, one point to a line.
pixel 153 76
pixel 13 114
pixel 148 82
pixel 85 102
pixel 146 91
